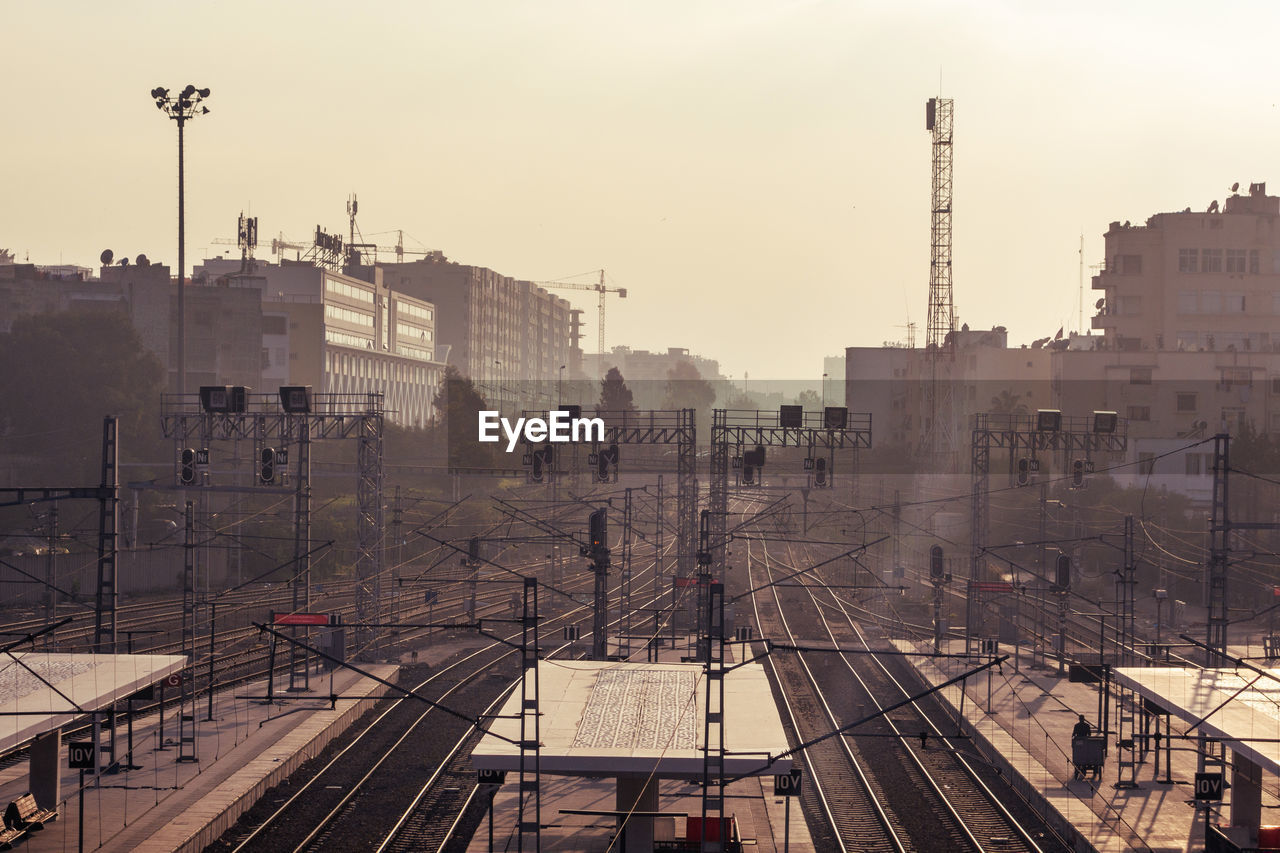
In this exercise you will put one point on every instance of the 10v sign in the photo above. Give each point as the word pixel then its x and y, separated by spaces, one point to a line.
pixel 788 785
pixel 1209 787
pixel 80 755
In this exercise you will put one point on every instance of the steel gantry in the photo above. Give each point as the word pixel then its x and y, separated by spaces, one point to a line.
pixel 654 427
pixel 760 429
pixel 295 417
pixel 1047 430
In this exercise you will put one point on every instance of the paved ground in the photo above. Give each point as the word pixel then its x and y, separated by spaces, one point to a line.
pixel 1027 716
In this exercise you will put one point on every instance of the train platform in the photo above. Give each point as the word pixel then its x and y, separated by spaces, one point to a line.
pixel 243 748
pixel 618 736
pixel 1022 720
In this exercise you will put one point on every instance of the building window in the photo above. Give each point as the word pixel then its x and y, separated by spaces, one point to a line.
pixel 1146 463
pixel 1236 377
pixel 1139 413
pixel 1128 264
pixel 1211 260
pixel 1188 303
pixel 1193 464
pixel 275 324
pixel 1275 421
pixel 1130 305
pixel 1188 260
pixel 1233 303
pixel 1253 262
pixel 1211 302
pixel 1140 376
pixel 1275 385
pixel 1235 260
pixel 1186 402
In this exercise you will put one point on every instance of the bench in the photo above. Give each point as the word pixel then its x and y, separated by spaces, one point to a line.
pixel 32 817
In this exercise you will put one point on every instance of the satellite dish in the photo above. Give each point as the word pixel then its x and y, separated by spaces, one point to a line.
pixel 124 262
pixel 1235 186
pixel 142 261
pixel 1213 206
pixel 1100 302
pixel 106 257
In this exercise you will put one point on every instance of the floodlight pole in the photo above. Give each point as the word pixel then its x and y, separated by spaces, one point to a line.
pixel 182 276
pixel 181 107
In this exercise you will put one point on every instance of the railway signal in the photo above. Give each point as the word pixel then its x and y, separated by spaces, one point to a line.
pixel 820 479
pixel 187 473
pixel 1062 574
pixel 1077 474
pixel 267 473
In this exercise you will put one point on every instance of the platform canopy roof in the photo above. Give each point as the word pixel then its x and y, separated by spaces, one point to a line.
pixel 1239 707
pixel 602 718
pixel 41 691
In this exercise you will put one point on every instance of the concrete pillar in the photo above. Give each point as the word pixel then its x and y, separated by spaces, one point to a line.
pixel 1246 793
pixel 640 793
pixel 45 780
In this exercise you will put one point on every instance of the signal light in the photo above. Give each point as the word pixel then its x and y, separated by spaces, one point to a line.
pixel 791 417
pixel 936 564
pixel 1063 572
pixel 599 523
pixel 606 463
pixel 1048 420
pixel 1077 474
pixel 835 417
pixel 820 472
pixel 1024 471
pixel 473 552
pixel 268 471
pixel 188 472
pixel 296 399
pixel 748 473
pixel 541 460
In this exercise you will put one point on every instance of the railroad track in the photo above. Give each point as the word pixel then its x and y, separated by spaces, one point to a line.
pixel 915 799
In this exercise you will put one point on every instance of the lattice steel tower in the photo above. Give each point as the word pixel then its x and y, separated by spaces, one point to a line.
pixel 939 428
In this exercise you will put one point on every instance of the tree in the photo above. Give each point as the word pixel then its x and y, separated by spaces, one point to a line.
pixel 809 399
pixel 457 418
pixel 686 389
pixel 1008 403
pixel 615 396
pixel 66 372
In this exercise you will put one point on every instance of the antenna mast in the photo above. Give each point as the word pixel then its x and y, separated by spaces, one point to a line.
pixel 941 322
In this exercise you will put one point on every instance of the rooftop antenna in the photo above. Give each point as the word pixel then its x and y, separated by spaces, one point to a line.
pixel 1080 319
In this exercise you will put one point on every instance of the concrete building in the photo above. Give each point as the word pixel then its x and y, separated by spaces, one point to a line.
pixel 1194 281
pixel 341 334
pixel 224 324
pixel 500 331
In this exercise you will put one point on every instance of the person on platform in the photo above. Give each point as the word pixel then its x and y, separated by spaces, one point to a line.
pixel 1082 729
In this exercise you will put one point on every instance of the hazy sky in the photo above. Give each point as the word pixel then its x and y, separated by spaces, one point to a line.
pixel 755 173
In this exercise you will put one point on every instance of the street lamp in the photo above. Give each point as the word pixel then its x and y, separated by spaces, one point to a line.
pixel 180 107
pixel 824 392
pixel 560 387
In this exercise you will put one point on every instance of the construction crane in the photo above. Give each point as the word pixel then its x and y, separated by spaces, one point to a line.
pixel 599 288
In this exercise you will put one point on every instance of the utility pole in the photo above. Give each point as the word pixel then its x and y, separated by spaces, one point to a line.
pixel 50 574
pixel 1127 583
pixel 598 551
pixel 624 644
pixel 398 541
